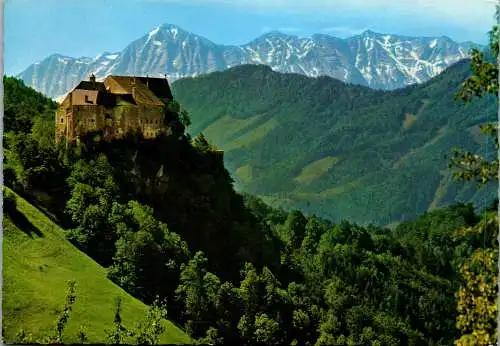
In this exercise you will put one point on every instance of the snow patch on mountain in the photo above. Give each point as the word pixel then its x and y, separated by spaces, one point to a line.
pixel 381 61
pixel 174 32
pixel 152 33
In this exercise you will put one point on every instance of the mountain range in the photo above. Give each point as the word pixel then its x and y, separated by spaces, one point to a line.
pixel 380 61
pixel 338 150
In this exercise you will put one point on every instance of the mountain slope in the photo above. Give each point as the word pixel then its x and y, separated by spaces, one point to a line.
pixel 340 151
pixel 37 263
pixel 377 60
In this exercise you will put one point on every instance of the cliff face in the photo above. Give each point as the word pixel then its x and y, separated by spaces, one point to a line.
pixel 193 194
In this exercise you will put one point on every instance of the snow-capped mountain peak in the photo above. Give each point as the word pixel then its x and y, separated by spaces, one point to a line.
pixel 378 60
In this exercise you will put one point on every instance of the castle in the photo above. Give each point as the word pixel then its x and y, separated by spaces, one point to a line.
pixel 116 106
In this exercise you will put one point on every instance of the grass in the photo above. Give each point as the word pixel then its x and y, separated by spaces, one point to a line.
pixel 252 137
pixel 222 129
pixel 409 120
pixel 37 263
pixel 316 169
pixel 342 189
pixel 440 191
pixel 245 173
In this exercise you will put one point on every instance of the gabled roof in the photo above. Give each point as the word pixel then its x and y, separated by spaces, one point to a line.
pixel 135 86
pixel 86 85
pixel 81 97
pixel 129 89
pixel 159 86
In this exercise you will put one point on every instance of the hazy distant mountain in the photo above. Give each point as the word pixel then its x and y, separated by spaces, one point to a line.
pixel 371 59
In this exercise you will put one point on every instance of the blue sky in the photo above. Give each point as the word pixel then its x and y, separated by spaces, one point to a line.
pixel 35 29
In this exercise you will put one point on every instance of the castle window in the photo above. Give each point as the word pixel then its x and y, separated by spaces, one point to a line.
pixel 62 120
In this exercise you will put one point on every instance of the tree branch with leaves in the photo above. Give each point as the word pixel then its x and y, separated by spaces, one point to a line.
pixel 477 307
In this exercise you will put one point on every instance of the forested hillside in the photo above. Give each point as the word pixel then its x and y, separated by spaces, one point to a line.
pixel 163 218
pixel 336 150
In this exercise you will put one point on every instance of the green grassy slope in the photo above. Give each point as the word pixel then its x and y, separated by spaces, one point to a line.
pixel 339 151
pixel 37 263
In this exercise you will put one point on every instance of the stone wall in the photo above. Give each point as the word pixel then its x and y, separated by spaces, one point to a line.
pixel 87 119
pixel 62 115
pixel 75 121
pixel 148 120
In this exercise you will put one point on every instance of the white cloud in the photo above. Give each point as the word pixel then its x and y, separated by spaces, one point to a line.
pixel 464 11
